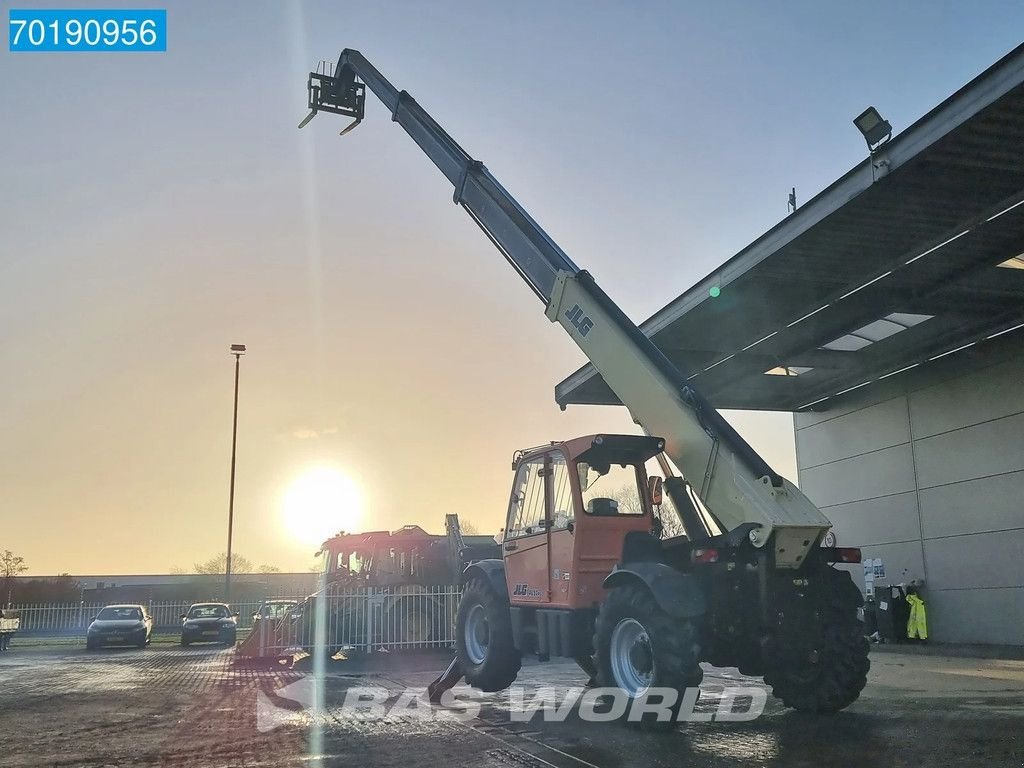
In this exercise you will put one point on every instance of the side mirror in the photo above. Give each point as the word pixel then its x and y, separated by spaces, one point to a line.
pixel 655 488
pixel 92 619
pixel 236 614
pixel 183 616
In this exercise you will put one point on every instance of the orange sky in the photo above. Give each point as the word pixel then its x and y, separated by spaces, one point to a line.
pixel 157 208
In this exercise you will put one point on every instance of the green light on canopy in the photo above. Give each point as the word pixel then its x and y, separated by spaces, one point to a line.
pixel 715 292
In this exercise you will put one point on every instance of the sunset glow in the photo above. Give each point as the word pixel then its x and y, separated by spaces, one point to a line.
pixel 321 502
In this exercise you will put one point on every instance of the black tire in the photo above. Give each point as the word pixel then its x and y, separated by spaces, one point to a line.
pixel 90 645
pixel 840 673
pixel 672 646
pixel 184 643
pixel 493 663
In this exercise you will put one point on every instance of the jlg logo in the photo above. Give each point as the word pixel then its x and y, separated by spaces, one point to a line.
pixel 525 590
pixel 580 321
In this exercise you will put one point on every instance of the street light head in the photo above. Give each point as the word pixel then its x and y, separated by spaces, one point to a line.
pixel 238 349
pixel 873 127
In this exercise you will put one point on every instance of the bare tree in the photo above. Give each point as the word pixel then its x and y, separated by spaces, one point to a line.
pixel 11 565
pixel 218 564
pixel 671 524
pixel 628 500
pixel 629 504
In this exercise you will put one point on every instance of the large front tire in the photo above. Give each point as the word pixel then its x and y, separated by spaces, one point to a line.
pixel 835 671
pixel 640 648
pixel 483 638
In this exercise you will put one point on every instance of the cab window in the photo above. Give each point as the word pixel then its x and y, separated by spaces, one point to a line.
pixel 526 511
pixel 609 491
pixel 562 510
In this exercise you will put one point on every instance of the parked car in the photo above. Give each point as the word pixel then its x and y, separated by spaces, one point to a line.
pixel 209 623
pixel 120 625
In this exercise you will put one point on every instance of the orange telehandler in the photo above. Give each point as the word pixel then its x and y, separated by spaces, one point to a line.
pixel 584 573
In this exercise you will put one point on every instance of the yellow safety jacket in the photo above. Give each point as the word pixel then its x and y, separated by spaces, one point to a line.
pixel 917 624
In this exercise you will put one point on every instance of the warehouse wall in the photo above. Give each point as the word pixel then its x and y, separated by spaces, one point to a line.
pixel 931 480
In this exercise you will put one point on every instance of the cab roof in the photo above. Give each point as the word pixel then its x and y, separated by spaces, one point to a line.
pixel 601 449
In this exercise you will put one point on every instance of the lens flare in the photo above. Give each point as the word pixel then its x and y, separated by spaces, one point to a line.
pixel 321 502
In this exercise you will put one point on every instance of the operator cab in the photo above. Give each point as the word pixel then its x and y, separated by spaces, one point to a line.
pixel 571 507
pixel 408 555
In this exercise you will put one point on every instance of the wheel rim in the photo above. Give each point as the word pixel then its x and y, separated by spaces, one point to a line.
pixel 632 660
pixel 476 634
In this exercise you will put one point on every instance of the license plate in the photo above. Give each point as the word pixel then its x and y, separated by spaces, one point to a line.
pixel 210 632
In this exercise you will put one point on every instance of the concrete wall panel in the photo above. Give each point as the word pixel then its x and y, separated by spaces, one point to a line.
pixel 976 616
pixel 988 394
pixel 903 562
pixel 878 426
pixel 876 521
pixel 809 418
pixel 985 449
pixel 872 475
pixel 988 504
pixel 978 560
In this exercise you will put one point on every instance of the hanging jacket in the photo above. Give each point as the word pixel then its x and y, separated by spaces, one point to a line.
pixel 917 624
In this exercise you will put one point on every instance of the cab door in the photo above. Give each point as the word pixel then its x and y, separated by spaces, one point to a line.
pixel 561 531
pixel 525 547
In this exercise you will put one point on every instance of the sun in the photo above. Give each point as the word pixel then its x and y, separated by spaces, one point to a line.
pixel 321 502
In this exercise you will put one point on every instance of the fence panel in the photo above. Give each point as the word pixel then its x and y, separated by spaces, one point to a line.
pixel 365 619
pixel 370 619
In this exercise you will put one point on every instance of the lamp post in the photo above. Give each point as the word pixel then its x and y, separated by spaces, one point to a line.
pixel 237 350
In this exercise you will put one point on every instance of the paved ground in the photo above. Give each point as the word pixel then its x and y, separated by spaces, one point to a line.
pixel 176 707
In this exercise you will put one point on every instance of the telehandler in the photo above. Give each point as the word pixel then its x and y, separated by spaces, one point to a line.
pixel 584 573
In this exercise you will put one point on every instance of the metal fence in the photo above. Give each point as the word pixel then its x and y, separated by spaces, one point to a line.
pixel 73 618
pixel 365 619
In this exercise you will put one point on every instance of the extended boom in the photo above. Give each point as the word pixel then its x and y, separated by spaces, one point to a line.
pixel 734 483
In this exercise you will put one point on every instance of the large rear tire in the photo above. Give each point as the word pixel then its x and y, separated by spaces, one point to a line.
pixel 640 647
pixel 836 668
pixel 483 638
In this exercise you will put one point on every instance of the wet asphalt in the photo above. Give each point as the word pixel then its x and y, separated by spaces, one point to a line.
pixel 170 706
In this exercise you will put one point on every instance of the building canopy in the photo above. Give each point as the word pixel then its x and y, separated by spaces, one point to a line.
pixel 910 258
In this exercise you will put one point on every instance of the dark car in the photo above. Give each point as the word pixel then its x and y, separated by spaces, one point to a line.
pixel 209 623
pixel 120 625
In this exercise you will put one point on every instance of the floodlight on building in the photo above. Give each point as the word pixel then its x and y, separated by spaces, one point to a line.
pixel 873 127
